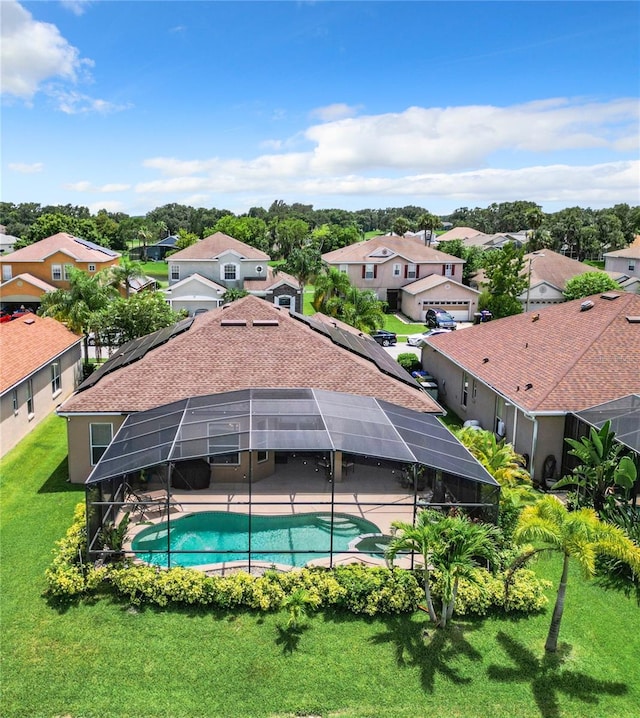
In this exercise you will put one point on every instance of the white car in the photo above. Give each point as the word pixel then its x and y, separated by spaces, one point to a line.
pixel 415 340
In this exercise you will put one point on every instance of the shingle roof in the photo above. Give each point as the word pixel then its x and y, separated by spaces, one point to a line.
pixel 271 279
pixel 461 233
pixel 75 247
pixel 632 252
pixel 572 359
pixel 215 244
pixel 28 343
pixel 405 247
pixel 434 280
pixel 214 357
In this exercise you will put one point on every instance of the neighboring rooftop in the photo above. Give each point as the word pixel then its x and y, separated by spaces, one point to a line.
pixel 75 247
pixel 28 343
pixel 216 244
pixel 373 251
pixel 461 233
pixel 271 279
pixel 564 358
pixel 248 343
pixel 632 252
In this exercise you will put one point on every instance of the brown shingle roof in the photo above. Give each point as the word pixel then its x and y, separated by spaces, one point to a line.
pixel 215 244
pixel 573 359
pixel 28 343
pixel 211 358
pixel 61 242
pixel 407 248
pixel 270 280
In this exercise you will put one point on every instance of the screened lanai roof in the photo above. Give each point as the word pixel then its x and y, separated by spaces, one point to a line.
pixel 624 415
pixel 284 420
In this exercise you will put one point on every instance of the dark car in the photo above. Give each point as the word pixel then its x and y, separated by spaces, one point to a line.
pixel 385 338
pixel 437 318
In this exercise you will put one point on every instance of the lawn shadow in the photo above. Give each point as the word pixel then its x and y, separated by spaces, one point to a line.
pixel 289 637
pixel 58 481
pixel 433 650
pixel 548 678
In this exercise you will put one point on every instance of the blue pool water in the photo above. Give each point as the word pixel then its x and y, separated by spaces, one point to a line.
pixel 217 536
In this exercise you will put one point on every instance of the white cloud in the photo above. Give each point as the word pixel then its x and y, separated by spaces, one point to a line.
pixel 76 103
pixel 85 186
pixel 333 112
pixel 77 7
pixel 25 168
pixel 33 52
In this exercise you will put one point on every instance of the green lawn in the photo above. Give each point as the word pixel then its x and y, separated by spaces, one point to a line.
pixel 158 270
pixel 104 660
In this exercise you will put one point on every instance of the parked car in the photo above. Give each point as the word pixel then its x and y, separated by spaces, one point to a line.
pixel 415 340
pixel 438 318
pixel 5 316
pixel 384 337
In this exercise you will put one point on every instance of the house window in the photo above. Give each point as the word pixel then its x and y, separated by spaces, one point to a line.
pixel 100 438
pixel 411 271
pixel 56 272
pixel 447 270
pixel 229 272
pixel 465 389
pixel 500 428
pixel 175 272
pixel 397 269
pixel 29 397
pixel 344 269
pixel 262 456
pixel 284 300
pixel 92 267
pixel 631 267
pixel 55 378
pixel 14 399
pixel 224 443
pixel 67 271
pixel 369 271
pixel 6 272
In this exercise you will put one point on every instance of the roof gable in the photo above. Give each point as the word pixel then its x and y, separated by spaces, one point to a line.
pixel 215 245
pixel 407 248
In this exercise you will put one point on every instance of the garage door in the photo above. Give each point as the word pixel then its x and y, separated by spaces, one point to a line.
pixel 459 310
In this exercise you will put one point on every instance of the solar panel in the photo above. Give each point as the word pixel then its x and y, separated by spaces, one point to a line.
pixel 92 245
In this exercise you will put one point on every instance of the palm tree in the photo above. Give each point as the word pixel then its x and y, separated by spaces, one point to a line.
pixel 76 306
pixel 330 285
pixel 124 272
pixel 577 535
pixel 304 263
pixel 362 310
pixel 428 222
pixel 296 603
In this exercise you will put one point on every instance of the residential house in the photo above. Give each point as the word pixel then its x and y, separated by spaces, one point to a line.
pixel 194 293
pixel 50 260
pixel 24 290
pixel 463 233
pixel 158 251
pixel 624 261
pixel 40 362
pixel 387 264
pixel 520 376
pixel 7 241
pixel 245 344
pixel 232 264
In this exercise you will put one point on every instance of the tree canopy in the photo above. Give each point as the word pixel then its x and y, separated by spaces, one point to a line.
pixel 584 285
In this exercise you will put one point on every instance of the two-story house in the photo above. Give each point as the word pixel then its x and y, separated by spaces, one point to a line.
pixel 43 266
pixel 387 264
pixel 625 261
pixel 199 275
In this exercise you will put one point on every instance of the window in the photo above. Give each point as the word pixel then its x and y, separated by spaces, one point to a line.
pixel 29 397
pixel 56 272
pixel 369 271
pixel 284 300
pixel 397 268
pixel 631 267
pixel 67 271
pixel 6 272
pixel 55 378
pixel 344 269
pixel 14 399
pixel 224 442
pixel 100 435
pixel 175 272
pixel 412 271
pixel 262 456
pixel 229 272
pixel 465 389
pixel 447 270
pixel 92 267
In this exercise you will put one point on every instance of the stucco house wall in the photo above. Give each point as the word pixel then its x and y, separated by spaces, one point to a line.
pixel 213 269
pixel 16 421
pixel 79 442
pixel 460 300
pixel 624 265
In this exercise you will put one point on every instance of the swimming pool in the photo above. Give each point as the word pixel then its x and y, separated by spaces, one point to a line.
pixel 218 536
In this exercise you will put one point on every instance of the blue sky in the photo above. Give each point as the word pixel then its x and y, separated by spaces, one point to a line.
pixel 130 105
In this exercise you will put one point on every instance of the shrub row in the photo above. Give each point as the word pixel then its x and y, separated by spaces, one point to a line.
pixel 357 589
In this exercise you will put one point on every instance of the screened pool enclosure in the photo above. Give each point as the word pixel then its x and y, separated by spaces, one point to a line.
pixel 283 477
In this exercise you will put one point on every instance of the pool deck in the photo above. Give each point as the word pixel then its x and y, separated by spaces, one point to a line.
pixel 370 492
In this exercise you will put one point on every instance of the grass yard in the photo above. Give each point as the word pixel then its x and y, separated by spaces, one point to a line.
pixel 108 661
pixel 158 271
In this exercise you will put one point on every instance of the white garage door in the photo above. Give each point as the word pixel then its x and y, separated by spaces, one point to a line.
pixel 459 311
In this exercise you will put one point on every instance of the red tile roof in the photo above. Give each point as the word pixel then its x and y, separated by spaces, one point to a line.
pixel 212 358
pixel 559 359
pixel 28 343
pixel 215 244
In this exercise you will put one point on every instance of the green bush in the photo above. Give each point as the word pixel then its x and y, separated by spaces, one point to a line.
pixel 409 361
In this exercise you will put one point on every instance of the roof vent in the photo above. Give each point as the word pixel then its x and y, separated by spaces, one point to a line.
pixel 609 295
pixel 485 360
pixel 265 323
pixel 586 305
pixel 233 323
pixel 633 320
pixel 528 386
pixel 29 321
